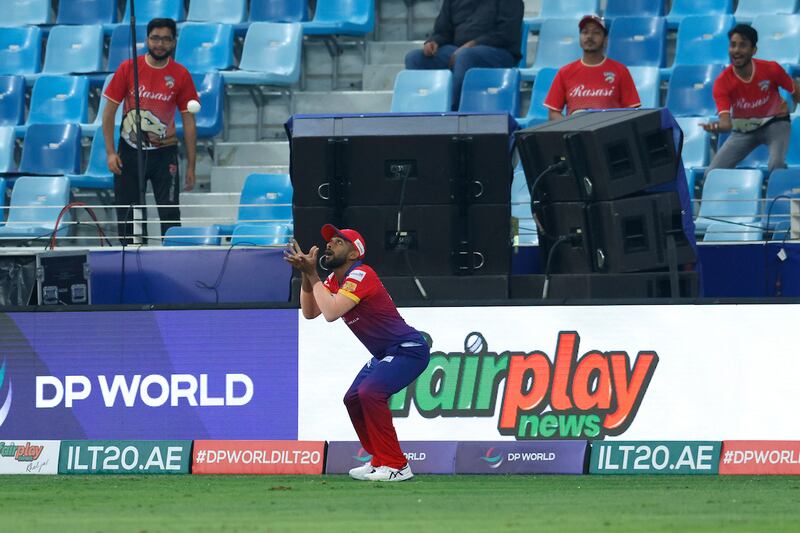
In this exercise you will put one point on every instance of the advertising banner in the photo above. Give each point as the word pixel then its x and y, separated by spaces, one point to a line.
pixel 149 374
pixel 668 457
pixel 24 456
pixel 540 457
pixel 125 457
pixel 755 457
pixel 437 457
pixel 625 372
pixel 258 457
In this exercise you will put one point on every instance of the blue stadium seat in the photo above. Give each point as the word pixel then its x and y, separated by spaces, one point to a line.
pixel 782 182
pixel 731 195
pixel 633 8
pixel 269 234
pixel 3 209
pixel 526 32
pixel 342 17
pixel 725 232
pixel 491 90
pixel 696 147
pixel 422 91
pixel 758 158
pixel 747 10
pixel 193 236
pixel 558 45
pixel 224 11
pixel 119 48
pixel 20 50
pixel 209 119
pixel 684 8
pixel 73 50
pixel 58 99
pixel 537 112
pixel 689 91
pixel 90 129
pixel 638 41
pixel 266 198
pixel 793 155
pixel 564 9
pixel 204 47
pixel 778 38
pixel 280 66
pixel 7 143
pixel 12 100
pixel 97 175
pixel 278 10
pixel 87 12
pixel 146 11
pixel 36 202
pixel 51 149
pixel 648 84
pixel 703 40
pixel 521 210
pixel 25 12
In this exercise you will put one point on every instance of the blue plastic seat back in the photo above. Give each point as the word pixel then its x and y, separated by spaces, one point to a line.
pixel 7 144
pixel 74 50
pixel 491 90
pixel 59 99
pixel 119 48
pixel 723 231
pixel 558 44
pixel 633 8
pixel 266 198
pixel 638 41
pixel 562 9
pixel 268 234
pixel 732 194
pixel 205 47
pixel 25 12
pixel 648 84
pixel 793 155
pixel 541 86
pixel 209 119
pixel 12 100
pixel 346 17
pixel 703 40
pixel 695 142
pixel 193 236
pixel 98 163
pixel 3 206
pixel 146 11
pixel 689 92
pixel 683 8
pixel 224 11
pixel 423 91
pixel 38 200
pixel 278 10
pixel 747 10
pixel 782 182
pixel 284 43
pixel 87 12
pixel 20 50
pixel 51 149
pixel 778 37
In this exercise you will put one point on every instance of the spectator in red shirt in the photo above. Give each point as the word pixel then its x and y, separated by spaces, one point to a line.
pixel 749 104
pixel 594 81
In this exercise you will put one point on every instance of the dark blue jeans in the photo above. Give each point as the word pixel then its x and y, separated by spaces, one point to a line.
pixel 477 56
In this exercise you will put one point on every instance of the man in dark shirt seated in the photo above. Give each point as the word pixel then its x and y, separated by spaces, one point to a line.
pixel 471 33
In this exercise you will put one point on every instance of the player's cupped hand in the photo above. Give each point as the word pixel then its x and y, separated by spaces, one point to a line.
pixel 304 262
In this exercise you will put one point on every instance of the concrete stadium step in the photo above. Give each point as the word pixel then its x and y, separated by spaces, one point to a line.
pixel 393 19
pixel 343 102
pixel 231 179
pixel 206 208
pixel 390 52
pixel 252 153
pixel 380 77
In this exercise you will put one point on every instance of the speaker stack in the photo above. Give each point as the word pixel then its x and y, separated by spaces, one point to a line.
pixel 590 176
pixel 429 193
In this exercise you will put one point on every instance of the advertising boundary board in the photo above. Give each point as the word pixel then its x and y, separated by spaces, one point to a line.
pixel 528 457
pixel 759 457
pixel 655 457
pixel 258 457
pixel 125 457
pixel 26 456
pixel 431 457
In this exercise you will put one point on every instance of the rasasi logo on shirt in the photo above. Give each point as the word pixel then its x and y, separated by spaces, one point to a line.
pixel 559 397
pixel 583 91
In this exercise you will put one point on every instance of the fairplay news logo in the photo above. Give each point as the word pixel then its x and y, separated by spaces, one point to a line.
pixel 6 406
pixel 544 397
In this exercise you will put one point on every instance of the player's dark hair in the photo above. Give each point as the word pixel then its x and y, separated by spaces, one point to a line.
pixel 746 32
pixel 162 23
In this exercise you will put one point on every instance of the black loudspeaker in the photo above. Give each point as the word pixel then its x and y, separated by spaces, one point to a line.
pixel 607 286
pixel 431 241
pixel 338 161
pixel 608 155
pixel 438 288
pixel 627 235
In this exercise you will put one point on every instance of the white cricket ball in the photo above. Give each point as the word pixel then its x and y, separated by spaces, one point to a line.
pixel 474 343
pixel 193 106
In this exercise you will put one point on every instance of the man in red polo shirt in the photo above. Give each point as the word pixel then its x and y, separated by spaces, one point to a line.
pixel 749 104
pixel 594 81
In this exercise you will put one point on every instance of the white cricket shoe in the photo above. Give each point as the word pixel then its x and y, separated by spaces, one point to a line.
pixel 360 472
pixel 387 473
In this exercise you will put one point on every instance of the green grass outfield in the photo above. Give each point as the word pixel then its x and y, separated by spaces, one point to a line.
pixel 447 503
